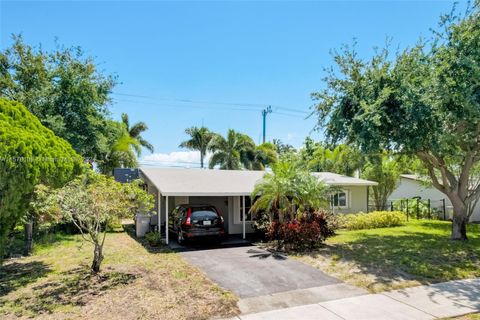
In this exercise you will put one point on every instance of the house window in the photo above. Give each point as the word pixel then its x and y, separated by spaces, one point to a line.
pixel 339 200
pixel 248 205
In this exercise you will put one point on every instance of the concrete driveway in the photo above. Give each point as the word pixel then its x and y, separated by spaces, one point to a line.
pixel 251 272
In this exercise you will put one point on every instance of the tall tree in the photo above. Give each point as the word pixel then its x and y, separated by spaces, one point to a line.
pixel 29 154
pixel 264 155
pixel 200 139
pixel 425 102
pixel 125 145
pixel 342 159
pixel 385 170
pixel 64 89
pixel 135 133
pixel 227 152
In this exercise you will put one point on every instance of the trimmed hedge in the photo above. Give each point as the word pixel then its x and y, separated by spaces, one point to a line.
pixel 372 220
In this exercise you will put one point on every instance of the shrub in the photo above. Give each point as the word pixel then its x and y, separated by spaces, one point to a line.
pixel 372 220
pixel 302 233
pixel 154 238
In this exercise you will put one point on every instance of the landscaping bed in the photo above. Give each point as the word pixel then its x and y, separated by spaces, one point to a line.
pixel 420 252
pixel 136 281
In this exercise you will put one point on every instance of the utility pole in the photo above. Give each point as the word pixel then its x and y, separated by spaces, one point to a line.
pixel 264 115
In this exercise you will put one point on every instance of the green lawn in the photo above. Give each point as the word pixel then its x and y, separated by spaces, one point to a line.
pixel 136 282
pixel 381 259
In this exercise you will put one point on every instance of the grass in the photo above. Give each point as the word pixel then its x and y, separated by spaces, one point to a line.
pixel 136 282
pixel 419 252
pixel 472 316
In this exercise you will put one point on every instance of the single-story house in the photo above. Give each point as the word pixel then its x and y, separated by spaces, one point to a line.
pixel 229 191
pixel 411 186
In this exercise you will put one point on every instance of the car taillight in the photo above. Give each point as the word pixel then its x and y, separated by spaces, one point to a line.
pixel 188 222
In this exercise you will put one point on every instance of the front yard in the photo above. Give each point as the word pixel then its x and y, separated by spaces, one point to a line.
pixel 135 282
pixel 391 258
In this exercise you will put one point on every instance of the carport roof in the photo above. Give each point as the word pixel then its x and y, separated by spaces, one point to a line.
pixel 198 182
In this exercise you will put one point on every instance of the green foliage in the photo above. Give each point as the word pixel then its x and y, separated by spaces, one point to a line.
pixel 154 238
pixel 200 140
pixel 307 231
pixel 372 220
pixel 420 210
pixel 424 102
pixel 342 159
pixel 385 170
pixel 29 154
pixel 283 148
pixel 93 201
pixel 65 90
pixel 286 189
pixel 238 151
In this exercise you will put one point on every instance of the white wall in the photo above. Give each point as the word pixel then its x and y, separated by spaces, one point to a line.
pixel 409 188
pixel 357 200
pixel 234 224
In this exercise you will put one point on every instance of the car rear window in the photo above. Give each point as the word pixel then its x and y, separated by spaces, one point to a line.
pixel 203 213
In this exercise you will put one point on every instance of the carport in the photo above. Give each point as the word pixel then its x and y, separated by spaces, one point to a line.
pixel 228 190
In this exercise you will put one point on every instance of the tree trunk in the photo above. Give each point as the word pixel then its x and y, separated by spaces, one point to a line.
pixel 459 222
pixel 28 227
pixel 97 258
pixel 201 160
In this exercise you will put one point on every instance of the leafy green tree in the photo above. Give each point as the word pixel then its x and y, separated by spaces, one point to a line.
pixel 200 139
pixel 263 155
pixel 93 201
pixel 283 148
pixel 342 159
pixel 64 89
pixel 29 154
pixel 385 170
pixel 423 103
pixel 228 152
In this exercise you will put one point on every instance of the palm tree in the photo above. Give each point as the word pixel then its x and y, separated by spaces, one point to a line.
pixel 125 145
pixel 288 187
pixel 264 155
pixel 135 132
pixel 200 139
pixel 228 152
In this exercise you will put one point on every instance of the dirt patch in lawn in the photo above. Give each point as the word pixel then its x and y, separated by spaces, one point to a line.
pixel 136 282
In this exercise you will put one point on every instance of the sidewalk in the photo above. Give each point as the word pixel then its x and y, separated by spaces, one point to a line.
pixel 448 299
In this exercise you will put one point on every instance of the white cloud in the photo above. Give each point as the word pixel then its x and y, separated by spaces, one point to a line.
pixel 189 159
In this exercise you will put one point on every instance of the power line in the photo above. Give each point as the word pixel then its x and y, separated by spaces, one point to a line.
pixel 251 106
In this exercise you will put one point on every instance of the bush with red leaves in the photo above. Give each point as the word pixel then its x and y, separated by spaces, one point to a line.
pixel 306 232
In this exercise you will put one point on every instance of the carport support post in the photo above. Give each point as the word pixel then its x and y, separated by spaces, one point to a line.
pixel 166 219
pixel 159 214
pixel 243 215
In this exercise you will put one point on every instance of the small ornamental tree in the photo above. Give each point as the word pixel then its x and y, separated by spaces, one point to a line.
pixel 29 154
pixel 91 202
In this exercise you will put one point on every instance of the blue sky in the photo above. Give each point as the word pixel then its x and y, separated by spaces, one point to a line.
pixel 182 64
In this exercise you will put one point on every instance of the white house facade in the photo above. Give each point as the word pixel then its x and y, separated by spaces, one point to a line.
pixel 229 191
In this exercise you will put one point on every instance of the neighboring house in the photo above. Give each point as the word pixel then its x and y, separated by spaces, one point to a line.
pixel 229 191
pixel 411 186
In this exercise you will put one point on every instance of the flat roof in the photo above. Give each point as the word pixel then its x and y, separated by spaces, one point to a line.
pixel 201 182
